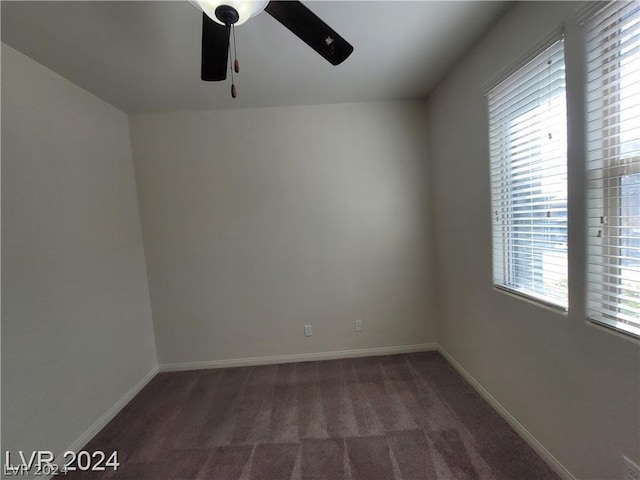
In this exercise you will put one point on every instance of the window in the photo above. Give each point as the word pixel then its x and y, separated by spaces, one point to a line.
pixel 613 160
pixel 528 150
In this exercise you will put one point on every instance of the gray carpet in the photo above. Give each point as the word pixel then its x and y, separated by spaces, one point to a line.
pixel 395 417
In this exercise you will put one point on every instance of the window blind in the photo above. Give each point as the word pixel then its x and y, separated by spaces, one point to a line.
pixel 613 162
pixel 528 151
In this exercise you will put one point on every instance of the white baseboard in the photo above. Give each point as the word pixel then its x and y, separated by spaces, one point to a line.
pixel 510 419
pixel 109 414
pixel 301 357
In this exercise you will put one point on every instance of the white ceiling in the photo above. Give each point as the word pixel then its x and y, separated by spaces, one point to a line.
pixel 145 56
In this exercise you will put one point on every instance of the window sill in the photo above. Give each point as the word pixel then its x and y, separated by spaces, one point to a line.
pixel 614 327
pixel 528 298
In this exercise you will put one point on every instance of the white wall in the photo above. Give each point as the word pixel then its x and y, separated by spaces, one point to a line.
pixel 575 387
pixel 259 221
pixel 76 319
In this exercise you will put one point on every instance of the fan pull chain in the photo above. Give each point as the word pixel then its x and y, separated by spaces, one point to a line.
pixel 236 65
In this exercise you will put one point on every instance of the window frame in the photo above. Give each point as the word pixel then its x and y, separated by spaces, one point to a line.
pixel 612 180
pixel 504 229
pixel 616 167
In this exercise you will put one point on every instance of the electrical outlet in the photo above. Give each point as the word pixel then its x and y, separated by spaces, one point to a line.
pixel 308 331
pixel 358 325
pixel 631 470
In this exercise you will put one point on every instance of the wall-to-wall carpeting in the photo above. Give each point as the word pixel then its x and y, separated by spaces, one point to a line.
pixel 396 417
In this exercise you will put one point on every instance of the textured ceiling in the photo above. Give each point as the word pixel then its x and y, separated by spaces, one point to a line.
pixel 145 56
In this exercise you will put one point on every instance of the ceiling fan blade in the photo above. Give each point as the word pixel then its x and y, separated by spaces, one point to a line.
pixel 310 29
pixel 215 50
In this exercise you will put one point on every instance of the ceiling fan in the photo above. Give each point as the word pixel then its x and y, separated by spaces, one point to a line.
pixel 221 16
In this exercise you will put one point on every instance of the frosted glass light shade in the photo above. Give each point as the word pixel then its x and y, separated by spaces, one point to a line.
pixel 246 8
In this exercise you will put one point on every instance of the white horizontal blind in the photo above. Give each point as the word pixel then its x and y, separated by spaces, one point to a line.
pixel 528 149
pixel 613 156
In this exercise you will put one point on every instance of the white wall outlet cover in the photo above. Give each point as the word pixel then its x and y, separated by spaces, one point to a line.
pixel 631 470
pixel 358 325
pixel 308 331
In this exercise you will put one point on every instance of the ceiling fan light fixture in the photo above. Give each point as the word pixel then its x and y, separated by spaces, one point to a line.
pixel 245 8
pixel 219 18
